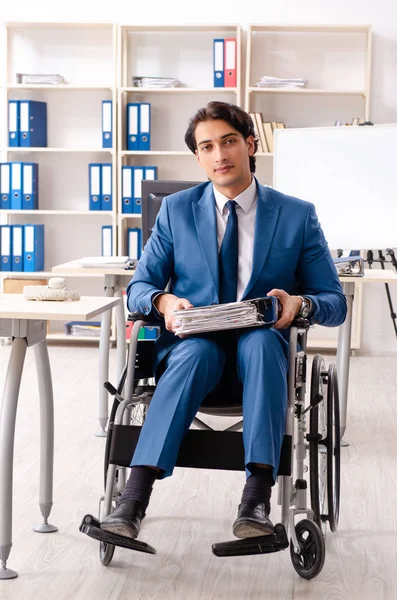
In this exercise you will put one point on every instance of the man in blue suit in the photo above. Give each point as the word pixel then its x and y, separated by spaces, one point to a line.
pixel 225 240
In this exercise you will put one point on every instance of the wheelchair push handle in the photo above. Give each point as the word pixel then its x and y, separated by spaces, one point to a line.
pixel 112 390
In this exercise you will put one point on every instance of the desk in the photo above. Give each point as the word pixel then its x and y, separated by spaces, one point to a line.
pixel 371 276
pixel 25 322
pixel 112 288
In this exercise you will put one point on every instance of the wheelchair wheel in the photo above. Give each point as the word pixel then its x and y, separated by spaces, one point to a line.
pixel 324 445
pixel 106 552
pixel 310 560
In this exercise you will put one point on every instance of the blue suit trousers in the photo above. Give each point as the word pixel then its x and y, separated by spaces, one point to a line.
pixel 193 368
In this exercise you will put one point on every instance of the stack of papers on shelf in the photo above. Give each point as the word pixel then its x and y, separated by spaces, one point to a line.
pixel 234 315
pixel 109 262
pixel 155 82
pixel 275 82
pixel 83 328
pixel 33 78
pixel 352 266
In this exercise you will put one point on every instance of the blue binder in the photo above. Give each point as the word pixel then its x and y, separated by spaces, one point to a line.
pixel 144 126
pixel 32 124
pixel 151 332
pixel 33 256
pixel 5 186
pixel 138 174
pixel 107 124
pixel 134 242
pixel 219 63
pixel 150 173
pixel 106 192
pixel 107 240
pixel 95 185
pixel 13 123
pixel 30 186
pixel 133 127
pixel 5 248
pixel 17 247
pixel 16 186
pixel 127 193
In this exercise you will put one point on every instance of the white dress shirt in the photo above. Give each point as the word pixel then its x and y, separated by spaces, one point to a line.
pixel 246 213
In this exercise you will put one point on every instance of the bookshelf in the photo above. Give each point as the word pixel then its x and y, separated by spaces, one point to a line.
pixel 98 60
pixel 335 60
pixel 182 52
pixel 85 54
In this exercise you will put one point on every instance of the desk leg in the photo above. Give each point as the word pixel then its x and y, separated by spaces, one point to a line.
pixel 121 338
pixel 7 434
pixel 104 343
pixel 343 356
pixel 46 435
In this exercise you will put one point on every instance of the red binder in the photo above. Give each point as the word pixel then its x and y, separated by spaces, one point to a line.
pixel 230 62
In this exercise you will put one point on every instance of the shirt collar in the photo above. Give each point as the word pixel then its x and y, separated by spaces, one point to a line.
pixel 244 200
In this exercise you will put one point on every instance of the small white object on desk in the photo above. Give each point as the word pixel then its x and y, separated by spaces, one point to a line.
pixel 55 291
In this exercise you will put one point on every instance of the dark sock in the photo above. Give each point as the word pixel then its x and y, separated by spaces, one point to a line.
pixel 258 487
pixel 140 485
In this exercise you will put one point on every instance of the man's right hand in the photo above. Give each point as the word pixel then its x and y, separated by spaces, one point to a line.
pixel 166 304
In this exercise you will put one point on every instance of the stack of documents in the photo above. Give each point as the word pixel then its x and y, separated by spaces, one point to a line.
pixel 33 78
pixel 352 266
pixel 155 82
pixel 275 82
pixel 105 262
pixel 234 315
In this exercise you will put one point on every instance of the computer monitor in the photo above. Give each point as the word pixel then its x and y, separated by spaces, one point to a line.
pixel 153 192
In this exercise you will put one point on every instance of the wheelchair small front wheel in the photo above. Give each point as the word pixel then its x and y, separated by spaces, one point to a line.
pixel 106 552
pixel 310 560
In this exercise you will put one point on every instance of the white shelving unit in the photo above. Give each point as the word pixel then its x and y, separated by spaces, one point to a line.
pixel 336 61
pixel 85 54
pixel 182 52
pixel 98 62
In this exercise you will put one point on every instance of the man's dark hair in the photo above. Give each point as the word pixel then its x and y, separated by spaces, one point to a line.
pixel 232 114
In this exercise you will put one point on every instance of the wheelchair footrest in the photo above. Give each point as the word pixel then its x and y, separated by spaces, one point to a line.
pixel 92 527
pixel 263 544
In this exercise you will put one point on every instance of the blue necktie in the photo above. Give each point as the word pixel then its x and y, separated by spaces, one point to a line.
pixel 228 258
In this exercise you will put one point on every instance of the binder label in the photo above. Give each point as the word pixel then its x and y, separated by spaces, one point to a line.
pixel 95 181
pixel 127 183
pixel 17 241
pixel 5 179
pixel 107 118
pixel 106 180
pixel 5 241
pixel 16 176
pixel 24 116
pixel 28 179
pixel 29 238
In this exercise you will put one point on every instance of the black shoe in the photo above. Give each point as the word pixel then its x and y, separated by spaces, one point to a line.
pixel 252 520
pixel 125 520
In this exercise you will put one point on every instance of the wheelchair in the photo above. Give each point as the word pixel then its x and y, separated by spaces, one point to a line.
pixel 312 430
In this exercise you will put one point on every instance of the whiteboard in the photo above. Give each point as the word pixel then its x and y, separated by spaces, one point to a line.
pixel 350 175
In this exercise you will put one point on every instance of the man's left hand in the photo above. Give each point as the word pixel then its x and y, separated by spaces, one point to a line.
pixel 290 307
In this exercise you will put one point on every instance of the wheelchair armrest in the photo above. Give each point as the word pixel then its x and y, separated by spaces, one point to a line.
pixel 300 323
pixel 137 316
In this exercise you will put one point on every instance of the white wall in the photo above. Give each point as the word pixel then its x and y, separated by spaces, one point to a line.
pixel 378 335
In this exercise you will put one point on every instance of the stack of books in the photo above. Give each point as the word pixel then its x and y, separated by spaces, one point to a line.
pixel 265 132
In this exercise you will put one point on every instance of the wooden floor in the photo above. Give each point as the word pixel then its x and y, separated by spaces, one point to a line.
pixel 193 509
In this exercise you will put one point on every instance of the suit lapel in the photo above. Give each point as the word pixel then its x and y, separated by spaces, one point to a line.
pixel 205 221
pixel 266 219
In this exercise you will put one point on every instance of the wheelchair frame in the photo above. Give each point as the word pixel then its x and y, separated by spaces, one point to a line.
pixel 292 486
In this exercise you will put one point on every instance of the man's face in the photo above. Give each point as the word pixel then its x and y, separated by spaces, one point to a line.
pixel 224 154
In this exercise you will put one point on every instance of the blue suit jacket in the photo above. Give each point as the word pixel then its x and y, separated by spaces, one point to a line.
pixel 290 253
